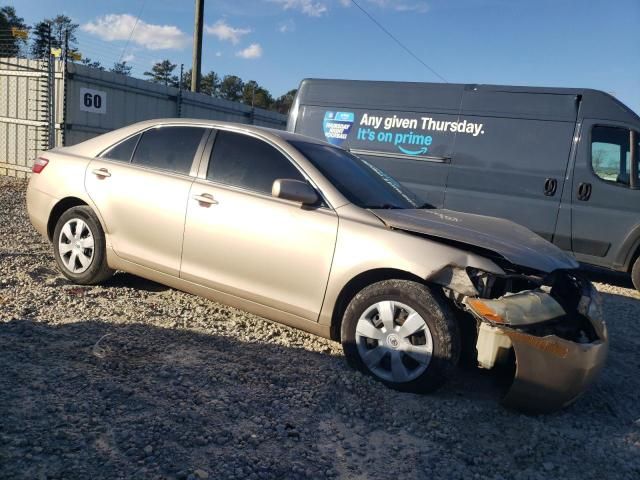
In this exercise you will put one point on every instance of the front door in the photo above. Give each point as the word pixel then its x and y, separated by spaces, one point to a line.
pixel 242 241
pixel 605 207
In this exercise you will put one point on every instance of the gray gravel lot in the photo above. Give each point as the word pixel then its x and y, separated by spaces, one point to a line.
pixel 135 380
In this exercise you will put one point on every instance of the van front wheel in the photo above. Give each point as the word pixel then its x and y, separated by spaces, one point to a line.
pixel 635 274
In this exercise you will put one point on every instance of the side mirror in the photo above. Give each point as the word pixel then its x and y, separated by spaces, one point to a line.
pixel 294 190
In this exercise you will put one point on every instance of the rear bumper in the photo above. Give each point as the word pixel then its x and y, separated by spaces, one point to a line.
pixel 552 372
pixel 39 206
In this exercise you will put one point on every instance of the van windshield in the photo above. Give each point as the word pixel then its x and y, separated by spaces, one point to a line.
pixel 360 182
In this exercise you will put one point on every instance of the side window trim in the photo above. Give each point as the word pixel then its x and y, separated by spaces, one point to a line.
pixel 207 155
pixel 199 155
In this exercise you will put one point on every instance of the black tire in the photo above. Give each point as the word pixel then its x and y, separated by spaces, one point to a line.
pixel 97 270
pixel 635 274
pixel 433 310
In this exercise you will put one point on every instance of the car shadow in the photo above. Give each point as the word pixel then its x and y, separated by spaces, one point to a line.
pixel 140 401
pixel 123 279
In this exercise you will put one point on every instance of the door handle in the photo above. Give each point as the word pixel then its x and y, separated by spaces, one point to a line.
pixel 550 187
pixel 101 172
pixel 584 191
pixel 205 200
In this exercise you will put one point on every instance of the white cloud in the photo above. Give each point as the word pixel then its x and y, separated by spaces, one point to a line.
pixel 225 32
pixel 218 54
pixel 130 57
pixel 153 37
pixel 286 27
pixel 308 7
pixel 252 51
pixel 399 6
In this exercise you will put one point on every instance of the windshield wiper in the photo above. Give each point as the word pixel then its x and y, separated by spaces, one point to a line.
pixel 384 206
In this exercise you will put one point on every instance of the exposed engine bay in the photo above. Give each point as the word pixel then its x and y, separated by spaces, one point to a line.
pixel 551 323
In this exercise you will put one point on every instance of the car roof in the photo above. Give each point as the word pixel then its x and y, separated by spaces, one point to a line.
pixel 283 134
pixel 94 146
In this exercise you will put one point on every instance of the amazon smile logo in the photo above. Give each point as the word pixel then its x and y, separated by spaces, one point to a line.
pixel 422 151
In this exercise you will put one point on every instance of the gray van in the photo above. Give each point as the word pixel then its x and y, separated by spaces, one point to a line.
pixel 562 162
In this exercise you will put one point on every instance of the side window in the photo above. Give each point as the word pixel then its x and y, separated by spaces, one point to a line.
pixel 610 154
pixel 168 148
pixel 244 161
pixel 123 151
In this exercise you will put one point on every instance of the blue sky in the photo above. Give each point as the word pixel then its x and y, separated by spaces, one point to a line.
pixel 566 43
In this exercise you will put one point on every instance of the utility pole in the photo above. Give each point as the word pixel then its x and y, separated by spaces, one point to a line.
pixel 197 47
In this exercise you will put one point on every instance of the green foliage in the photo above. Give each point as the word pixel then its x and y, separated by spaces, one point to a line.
pixel 255 95
pixel 283 103
pixel 10 46
pixel 53 31
pixel 210 84
pixel 231 88
pixel 162 72
pixel 122 68
pixel 91 63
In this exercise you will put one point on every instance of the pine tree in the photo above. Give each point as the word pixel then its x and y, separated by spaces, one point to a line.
pixel 92 63
pixel 210 84
pixel 255 95
pixel 10 45
pixel 57 28
pixel 162 72
pixel 231 88
pixel 122 68
pixel 283 103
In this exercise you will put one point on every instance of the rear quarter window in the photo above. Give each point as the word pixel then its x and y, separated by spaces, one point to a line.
pixel 122 151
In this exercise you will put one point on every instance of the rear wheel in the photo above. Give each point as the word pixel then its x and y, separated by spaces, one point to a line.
pixel 635 274
pixel 401 333
pixel 80 248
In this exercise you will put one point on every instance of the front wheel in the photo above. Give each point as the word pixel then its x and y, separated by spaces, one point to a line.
pixel 80 248
pixel 635 274
pixel 403 334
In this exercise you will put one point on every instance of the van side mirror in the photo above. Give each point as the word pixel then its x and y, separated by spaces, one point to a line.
pixel 294 190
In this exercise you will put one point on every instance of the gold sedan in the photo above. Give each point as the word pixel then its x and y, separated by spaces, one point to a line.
pixel 307 234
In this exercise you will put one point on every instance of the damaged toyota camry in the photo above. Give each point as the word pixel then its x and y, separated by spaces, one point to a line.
pixel 309 235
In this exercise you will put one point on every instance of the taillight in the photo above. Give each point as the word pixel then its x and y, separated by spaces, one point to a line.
pixel 39 164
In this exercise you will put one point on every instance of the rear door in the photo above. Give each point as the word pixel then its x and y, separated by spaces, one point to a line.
pixel 140 188
pixel 515 166
pixel 240 240
pixel 605 208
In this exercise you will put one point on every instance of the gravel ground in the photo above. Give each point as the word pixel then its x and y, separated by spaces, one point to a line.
pixel 135 380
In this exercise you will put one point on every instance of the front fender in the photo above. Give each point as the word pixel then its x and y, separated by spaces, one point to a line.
pixel 364 245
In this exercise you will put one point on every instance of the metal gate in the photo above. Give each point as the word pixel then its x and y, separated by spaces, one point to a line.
pixel 27 112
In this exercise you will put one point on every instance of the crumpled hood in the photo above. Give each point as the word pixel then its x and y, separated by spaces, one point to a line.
pixel 514 242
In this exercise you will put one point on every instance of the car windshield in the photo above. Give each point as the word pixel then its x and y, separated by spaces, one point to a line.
pixel 360 182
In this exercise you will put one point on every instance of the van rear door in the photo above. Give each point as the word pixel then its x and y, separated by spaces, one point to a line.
pixel 605 201
pixel 514 165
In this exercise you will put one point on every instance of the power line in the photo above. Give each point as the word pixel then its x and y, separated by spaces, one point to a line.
pixel 395 39
pixel 132 30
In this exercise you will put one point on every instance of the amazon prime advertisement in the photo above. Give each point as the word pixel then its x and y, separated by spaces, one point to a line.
pixel 403 133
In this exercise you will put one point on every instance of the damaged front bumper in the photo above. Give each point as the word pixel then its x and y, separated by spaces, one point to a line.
pixel 559 349
pixel 552 372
